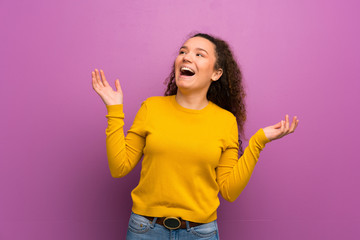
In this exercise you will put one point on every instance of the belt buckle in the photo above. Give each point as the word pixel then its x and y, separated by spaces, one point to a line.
pixel 172 223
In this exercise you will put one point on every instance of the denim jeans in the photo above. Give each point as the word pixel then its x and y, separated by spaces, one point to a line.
pixel 140 228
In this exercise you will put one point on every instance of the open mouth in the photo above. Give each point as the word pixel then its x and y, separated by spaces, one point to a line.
pixel 185 71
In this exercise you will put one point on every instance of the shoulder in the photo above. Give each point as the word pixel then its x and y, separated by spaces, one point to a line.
pixel 224 115
pixel 157 100
pixel 157 104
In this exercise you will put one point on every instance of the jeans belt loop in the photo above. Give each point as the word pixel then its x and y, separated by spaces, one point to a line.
pixel 187 226
pixel 153 222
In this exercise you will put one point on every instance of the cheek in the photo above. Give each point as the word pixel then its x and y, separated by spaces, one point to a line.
pixel 177 60
pixel 207 64
pixel 176 64
pixel 207 69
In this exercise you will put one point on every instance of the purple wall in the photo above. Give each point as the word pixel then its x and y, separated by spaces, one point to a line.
pixel 298 57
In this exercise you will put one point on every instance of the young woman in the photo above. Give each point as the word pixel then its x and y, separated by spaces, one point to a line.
pixel 189 140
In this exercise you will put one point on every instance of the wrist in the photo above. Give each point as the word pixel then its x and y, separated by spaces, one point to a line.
pixel 115 108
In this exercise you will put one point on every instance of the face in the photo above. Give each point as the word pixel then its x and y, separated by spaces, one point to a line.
pixel 194 66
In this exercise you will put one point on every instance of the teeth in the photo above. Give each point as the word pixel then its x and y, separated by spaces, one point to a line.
pixel 186 68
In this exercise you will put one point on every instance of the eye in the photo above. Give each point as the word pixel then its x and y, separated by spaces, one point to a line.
pixel 199 55
pixel 181 52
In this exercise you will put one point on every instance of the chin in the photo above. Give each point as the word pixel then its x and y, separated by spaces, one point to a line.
pixel 185 84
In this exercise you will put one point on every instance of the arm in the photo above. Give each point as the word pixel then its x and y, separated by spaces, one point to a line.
pixel 124 152
pixel 233 174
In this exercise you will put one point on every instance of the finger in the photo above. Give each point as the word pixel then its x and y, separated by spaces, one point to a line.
pixel 287 123
pixel 118 87
pixel 103 78
pixel 297 122
pixel 98 80
pixel 93 78
pixel 282 129
pixel 293 124
pixel 277 126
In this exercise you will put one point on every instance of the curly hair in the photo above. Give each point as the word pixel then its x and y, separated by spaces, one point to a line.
pixel 228 91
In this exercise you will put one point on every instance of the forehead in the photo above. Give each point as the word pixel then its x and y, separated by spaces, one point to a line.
pixel 200 42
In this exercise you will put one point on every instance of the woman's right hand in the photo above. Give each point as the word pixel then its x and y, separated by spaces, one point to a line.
pixel 105 91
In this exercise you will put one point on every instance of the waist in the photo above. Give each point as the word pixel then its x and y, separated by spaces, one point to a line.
pixel 191 212
pixel 173 223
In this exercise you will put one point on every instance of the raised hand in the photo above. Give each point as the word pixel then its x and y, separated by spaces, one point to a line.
pixel 281 129
pixel 105 91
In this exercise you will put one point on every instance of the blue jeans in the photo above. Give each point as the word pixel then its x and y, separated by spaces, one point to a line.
pixel 140 228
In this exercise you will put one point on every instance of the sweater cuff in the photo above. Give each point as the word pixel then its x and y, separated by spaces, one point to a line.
pixel 115 110
pixel 261 138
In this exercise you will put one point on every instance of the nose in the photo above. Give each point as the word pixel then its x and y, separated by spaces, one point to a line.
pixel 187 57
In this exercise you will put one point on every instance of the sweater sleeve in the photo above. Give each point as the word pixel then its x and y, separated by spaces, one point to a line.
pixel 233 174
pixel 124 152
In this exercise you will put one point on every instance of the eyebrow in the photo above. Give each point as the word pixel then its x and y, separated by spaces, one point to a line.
pixel 200 49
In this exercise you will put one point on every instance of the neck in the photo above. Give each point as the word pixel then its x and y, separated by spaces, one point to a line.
pixel 191 101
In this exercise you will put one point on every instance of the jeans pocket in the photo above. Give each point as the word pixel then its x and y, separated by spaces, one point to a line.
pixel 138 223
pixel 205 230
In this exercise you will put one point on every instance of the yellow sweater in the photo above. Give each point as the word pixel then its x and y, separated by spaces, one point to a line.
pixel 189 156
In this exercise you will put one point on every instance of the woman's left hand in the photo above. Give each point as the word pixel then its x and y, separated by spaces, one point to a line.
pixel 281 129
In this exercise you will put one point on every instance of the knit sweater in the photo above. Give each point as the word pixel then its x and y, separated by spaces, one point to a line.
pixel 189 157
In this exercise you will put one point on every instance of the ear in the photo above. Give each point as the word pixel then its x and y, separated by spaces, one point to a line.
pixel 217 74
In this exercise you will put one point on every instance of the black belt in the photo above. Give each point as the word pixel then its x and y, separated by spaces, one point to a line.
pixel 173 223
